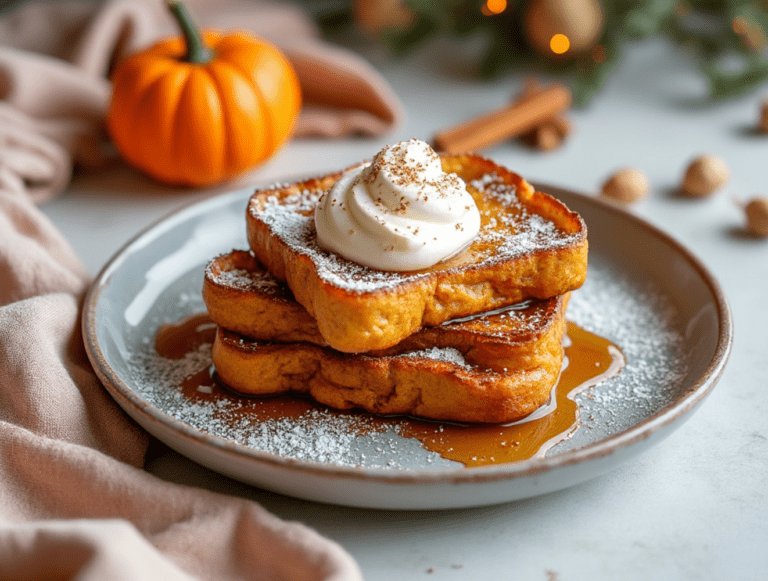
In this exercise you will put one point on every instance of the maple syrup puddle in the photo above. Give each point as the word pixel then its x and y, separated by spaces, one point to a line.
pixel 589 359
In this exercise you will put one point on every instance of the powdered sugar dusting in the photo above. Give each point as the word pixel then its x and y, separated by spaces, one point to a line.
pixel 638 318
pixel 298 231
pixel 630 312
pixel 505 235
pixel 314 437
pixel 445 354
pixel 523 232
pixel 318 435
pixel 242 279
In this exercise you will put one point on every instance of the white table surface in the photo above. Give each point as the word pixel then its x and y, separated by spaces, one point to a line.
pixel 693 507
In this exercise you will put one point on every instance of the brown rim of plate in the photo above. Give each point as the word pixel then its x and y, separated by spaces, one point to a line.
pixel 683 404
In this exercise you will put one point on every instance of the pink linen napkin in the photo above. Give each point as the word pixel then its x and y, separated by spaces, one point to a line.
pixel 74 500
pixel 54 90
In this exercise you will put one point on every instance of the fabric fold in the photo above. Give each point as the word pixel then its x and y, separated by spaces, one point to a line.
pixel 51 116
pixel 75 502
pixel 54 83
pixel 128 521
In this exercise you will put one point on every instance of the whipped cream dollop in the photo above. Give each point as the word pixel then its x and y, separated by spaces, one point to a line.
pixel 401 212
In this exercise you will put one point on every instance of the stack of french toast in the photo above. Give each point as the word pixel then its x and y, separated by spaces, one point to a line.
pixel 341 314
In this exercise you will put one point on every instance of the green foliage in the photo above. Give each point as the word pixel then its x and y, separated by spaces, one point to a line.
pixel 726 39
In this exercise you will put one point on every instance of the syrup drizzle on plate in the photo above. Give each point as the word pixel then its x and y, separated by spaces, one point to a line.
pixel 590 359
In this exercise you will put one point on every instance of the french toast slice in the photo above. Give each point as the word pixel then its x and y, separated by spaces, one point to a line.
pixel 242 297
pixel 431 382
pixel 530 246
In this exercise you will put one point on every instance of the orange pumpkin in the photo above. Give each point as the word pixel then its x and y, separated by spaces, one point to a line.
pixel 201 110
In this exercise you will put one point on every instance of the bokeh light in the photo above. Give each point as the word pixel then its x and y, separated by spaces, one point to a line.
pixel 559 43
pixel 493 7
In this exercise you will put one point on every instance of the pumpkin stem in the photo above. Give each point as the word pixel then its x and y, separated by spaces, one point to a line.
pixel 197 51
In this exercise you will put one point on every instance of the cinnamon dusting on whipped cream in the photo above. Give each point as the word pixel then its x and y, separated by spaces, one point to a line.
pixel 401 212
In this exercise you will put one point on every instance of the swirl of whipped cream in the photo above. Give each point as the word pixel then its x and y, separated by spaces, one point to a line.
pixel 401 212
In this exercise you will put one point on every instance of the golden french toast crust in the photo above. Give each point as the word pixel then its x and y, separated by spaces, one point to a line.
pixel 476 338
pixel 242 297
pixel 239 295
pixel 413 385
pixel 360 319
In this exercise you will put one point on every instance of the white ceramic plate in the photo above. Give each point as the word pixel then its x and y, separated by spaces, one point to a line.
pixel 644 292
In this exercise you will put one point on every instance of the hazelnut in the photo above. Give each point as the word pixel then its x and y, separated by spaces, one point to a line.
pixel 757 216
pixel 545 137
pixel 626 185
pixel 704 175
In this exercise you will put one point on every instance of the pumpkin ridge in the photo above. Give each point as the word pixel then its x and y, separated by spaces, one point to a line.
pixel 195 173
pixel 226 121
pixel 170 170
pixel 232 42
pixel 263 105
pixel 133 73
pixel 222 169
pixel 147 94
pixel 199 124
pixel 176 121
pixel 134 152
pixel 257 152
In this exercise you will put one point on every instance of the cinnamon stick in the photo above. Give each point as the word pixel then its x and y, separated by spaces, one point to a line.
pixel 551 132
pixel 513 120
